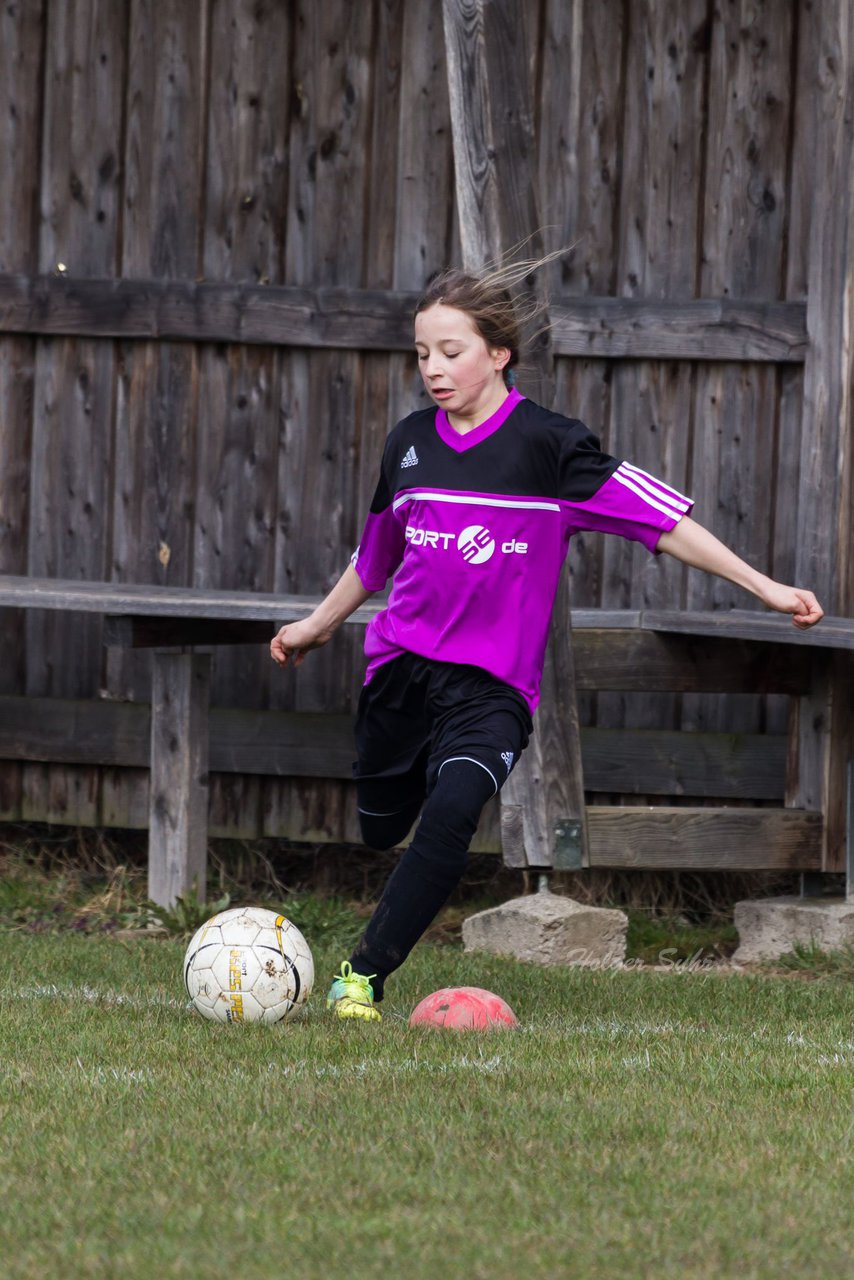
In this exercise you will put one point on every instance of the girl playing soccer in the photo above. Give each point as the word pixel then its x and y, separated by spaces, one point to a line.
pixel 476 501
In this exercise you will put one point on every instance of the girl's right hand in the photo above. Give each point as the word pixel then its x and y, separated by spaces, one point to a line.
pixel 294 641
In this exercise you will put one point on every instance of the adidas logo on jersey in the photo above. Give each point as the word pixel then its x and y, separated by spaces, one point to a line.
pixel 410 458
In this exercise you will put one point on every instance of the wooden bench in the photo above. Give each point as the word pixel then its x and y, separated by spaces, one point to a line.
pixel 740 651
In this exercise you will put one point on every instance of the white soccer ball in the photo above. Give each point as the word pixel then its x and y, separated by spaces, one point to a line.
pixel 248 964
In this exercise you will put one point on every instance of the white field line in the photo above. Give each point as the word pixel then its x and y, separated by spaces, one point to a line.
pixel 98 1075
pixel 660 1034
pixel 382 1066
pixel 821 1054
pixel 83 993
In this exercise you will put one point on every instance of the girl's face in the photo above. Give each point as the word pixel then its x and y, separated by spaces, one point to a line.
pixel 459 370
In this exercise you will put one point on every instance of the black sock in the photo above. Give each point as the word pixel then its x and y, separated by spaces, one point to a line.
pixel 428 872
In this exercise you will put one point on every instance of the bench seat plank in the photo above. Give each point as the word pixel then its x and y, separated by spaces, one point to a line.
pixel 704 839
pixel 749 624
pixel 140 600
pixel 144 600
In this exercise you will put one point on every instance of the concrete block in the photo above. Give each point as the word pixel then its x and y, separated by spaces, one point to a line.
pixel 769 927
pixel 549 929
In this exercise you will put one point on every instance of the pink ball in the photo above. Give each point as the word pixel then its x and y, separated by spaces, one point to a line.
pixel 463 1009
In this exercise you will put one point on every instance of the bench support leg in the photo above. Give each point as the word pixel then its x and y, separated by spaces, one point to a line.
pixel 178 805
pixel 543 817
pixel 821 742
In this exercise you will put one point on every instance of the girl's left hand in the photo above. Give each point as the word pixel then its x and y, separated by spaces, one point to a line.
pixel 802 605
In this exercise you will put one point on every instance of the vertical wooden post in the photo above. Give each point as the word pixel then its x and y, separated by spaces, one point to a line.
pixel 825 724
pixel 826 446
pixel 542 816
pixel 178 805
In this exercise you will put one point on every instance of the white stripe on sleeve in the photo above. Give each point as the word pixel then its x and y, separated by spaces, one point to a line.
pixel 622 478
pixel 657 487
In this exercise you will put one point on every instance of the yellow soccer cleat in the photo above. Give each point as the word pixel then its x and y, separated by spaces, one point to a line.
pixel 352 996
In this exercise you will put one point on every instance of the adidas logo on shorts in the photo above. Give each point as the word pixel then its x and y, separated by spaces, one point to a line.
pixel 507 757
pixel 410 458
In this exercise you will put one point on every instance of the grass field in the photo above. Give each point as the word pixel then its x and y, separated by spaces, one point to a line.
pixel 640 1124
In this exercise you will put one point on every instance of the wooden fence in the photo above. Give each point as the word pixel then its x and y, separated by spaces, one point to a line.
pixel 216 215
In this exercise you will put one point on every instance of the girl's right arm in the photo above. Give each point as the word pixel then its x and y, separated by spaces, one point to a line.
pixel 296 638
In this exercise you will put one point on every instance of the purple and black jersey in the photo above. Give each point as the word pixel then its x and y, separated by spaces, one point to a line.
pixel 475 529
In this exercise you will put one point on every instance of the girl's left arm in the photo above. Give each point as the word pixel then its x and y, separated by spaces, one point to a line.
pixel 691 543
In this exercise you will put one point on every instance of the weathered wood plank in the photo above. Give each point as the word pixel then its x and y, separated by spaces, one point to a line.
pixel 824 560
pixel 426 210
pixel 660 194
pixel 178 807
pixel 582 105
pixel 75 731
pixel 821 743
pixel 748 624
pixel 125 798
pixel 314 810
pixel 750 110
pixel 73 396
pixel 155 464
pixel 10 791
pixel 707 328
pixel 22 78
pixel 140 308
pixel 17 378
pixel 733 839
pixel 316 530
pixel 743 252
pixel 244 241
pixel 474 142
pixel 800 199
pixel 69 506
pixel 65 794
pixel 664 762
pixel 153 483
pixel 662 162
pixel 235 508
pixel 387 104
pixel 637 661
pixel 329 132
pixel 583 390
pixel 560 137
pixel 245 172
pixel 191 604
pixel 375 417
pixel 81 174
pixel 302 745
pixel 733 484
pixel 649 410
pixel 824 737
pixel 156 410
pixel 329 144
pixel 801 196
pixel 374 319
pixel 705 839
pixel 165 101
pixel 690 839
pixel 153 601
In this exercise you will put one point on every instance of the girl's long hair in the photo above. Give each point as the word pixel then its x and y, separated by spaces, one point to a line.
pixel 499 301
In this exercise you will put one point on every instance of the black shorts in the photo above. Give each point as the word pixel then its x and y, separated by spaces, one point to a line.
pixel 416 715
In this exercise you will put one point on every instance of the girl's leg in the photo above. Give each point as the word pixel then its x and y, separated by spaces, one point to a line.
pixel 384 830
pixel 477 730
pixel 392 739
pixel 429 870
